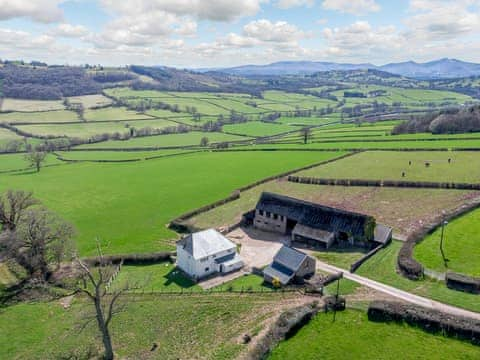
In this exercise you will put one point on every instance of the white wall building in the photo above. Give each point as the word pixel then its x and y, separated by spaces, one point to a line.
pixel 205 253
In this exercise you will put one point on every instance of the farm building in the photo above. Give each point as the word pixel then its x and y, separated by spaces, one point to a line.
pixel 289 265
pixel 205 253
pixel 316 224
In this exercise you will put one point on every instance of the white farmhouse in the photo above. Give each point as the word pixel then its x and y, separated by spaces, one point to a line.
pixel 205 253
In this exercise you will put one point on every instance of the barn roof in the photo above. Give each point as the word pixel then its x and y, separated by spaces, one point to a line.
pixel 205 243
pixel 290 258
pixel 314 215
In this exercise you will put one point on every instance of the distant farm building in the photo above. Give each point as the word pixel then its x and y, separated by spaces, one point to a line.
pixel 289 265
pixel 206 253
pixel 317 225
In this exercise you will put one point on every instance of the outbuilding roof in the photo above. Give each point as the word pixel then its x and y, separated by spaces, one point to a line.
pixel 316 216
pixel 285 264
pixel 205 243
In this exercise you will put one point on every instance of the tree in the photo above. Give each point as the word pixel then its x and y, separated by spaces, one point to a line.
pixel 13 205
pixel 204 141
pixel 306 133
pixel 41 239
pixel 94 285
pixel 36 158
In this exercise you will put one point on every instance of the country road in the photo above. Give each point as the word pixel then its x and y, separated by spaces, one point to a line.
pixel 397 293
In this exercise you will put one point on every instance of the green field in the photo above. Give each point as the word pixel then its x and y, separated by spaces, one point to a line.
pixel 389 165
pixel 12 162
pixel 182 326
pixel 90 101
pixel 39 117
pixel 127 205
pixel 80 130
pixel 172 140
pixel 9 104
pixel 113 113
pixel 258 128
pixel 118 155
pixel 353 336
pixel 461 246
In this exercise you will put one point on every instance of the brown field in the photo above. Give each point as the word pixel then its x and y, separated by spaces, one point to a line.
pixel 402 209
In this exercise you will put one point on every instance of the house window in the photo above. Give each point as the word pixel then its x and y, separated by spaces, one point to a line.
pixel 207 269
pixel 281 217
pixel 260 212
pixel 204 259
pixel 275 216
pixel 268 214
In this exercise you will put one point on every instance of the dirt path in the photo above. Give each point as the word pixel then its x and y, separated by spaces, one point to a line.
pixel 399 294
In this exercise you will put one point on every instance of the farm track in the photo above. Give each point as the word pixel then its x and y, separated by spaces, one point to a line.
pixel 397 293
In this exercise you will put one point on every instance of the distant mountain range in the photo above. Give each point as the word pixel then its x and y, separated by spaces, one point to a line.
pixel 443 68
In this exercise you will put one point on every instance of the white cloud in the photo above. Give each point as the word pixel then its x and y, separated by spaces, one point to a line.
pixel 287 4
pixel 356 7
pixel 215 10
pixel 280 31
pixel 45 11
pixel 69 30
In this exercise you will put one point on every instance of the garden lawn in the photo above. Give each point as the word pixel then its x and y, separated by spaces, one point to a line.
pixel 389 165
pixel 127 205
pixel 461 246
pixel 353 336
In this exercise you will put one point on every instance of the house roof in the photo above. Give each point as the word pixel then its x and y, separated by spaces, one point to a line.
pixel 205 243
pixel 383 234
pixel 314 215
pixel 289 258
pixel 276 271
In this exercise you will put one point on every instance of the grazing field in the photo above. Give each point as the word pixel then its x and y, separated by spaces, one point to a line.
pixel 9 104
pixel 118 155
pixel 308 121
pixel 128 205
pixel 402 209
pixel 172 140
pixel 389 165
pixel 7 135
pixel 39 117
pixel 353 336
pixel 113 113
pixel 461 246
pixel 12 162
pixel 78 130
pixel 382 267
pixel 258 128
pixel 181 326
pixel 90 101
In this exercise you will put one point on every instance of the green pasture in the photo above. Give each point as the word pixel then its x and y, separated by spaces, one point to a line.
pixel 113 113
pixel 127 205
pixel 9 104
pixel 79 130
pixel 39 117
pixel 389 165
pixel 353 336
pixel 171 140
pixel 181 326
pixel 90 101
pixel 257 128
pixel 117 155
pixel 461 246
pixel 12 162
pixel 383 268
pixel 308 121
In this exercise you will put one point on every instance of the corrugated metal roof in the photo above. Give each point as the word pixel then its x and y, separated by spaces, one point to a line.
pixel 314 215
pixel 205 243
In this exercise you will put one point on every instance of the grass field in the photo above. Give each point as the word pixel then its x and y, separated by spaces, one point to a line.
pixel 171 140
pixel 90 101
pixel 389 165
pixel 10 162
pixel 9 104
pixel 113 113
pixel 39 117
pixel 117 155
pixel 80 130
pixel 7 135
pixel 127 205
pixel 382 267
pixel 461 246
pixel 257 128
pixel 353 336
pixel 182 326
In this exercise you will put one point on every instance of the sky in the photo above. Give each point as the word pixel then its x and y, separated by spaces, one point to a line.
pixel 223 33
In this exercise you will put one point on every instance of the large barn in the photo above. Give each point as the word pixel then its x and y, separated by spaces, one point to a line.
pixel 206 253
pixel 316 224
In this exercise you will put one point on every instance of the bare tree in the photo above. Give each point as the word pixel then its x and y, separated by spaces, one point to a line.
pixel 204 141
pixel 41 239
pixel 306 133
pixel 13 205
pixel 36 158
pixel 95 281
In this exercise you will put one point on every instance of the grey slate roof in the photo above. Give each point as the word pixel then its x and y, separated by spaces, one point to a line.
pixel 383 234
pixel 285 264
pixel 314 215
pixel 205 243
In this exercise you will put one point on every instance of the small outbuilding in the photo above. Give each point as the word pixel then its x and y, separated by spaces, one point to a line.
pixel 289 265
pixel 205 253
